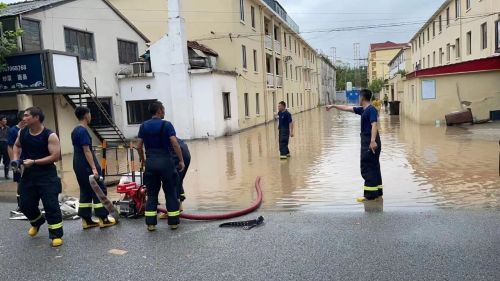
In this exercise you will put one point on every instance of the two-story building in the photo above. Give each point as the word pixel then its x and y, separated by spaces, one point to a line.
pixel 379 56
pixel 398 67
pixel 105 41
pixel 256 39
pixel 455 62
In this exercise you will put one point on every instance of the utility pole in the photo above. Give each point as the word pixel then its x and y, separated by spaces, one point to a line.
pixel 334 55
pixel 356 63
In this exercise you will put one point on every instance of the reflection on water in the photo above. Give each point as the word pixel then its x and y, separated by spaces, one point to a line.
pixel 422 166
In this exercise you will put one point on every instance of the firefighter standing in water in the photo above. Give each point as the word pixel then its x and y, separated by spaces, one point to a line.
pixel 85 164
pixel 159 138
pixel 370 145
pixel 285 129
pixel 11 140
pixel 39 148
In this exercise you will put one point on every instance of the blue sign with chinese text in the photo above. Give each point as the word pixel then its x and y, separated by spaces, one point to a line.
pixel 23 72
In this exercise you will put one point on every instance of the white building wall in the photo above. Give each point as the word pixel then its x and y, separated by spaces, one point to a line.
pixel 207 105
pixel 207 90
pixel 95 17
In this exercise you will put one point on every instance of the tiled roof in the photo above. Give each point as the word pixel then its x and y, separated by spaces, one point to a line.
pixel 27 6
pixel 387 45
pixel 201 47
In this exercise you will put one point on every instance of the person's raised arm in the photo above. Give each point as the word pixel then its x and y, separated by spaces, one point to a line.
pixel 347 108
pixel 178 152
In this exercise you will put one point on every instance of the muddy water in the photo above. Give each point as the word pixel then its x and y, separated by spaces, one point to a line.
pixel 422 166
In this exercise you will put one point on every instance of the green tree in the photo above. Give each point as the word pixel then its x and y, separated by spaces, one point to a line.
pixel 8 41
pixel 345 73
pixel 376 85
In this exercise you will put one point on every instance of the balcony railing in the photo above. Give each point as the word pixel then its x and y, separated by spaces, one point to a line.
pixel 270 80
pixel 279 81
pixel 268 42
pixel 275 6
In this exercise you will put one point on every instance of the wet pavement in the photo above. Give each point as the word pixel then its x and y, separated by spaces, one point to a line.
pixel 399 245
pixel 422 166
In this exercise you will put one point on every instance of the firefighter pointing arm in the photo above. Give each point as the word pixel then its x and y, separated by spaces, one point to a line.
pixel 370 145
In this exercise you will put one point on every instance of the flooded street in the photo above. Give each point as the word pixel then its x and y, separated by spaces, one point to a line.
pixel 422 166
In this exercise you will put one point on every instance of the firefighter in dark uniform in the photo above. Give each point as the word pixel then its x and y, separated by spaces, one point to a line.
pixel 85 164
pixel 187 160
pixel 285 129
pixel 39 148
pixel 159 138
pixel 370 145
pixel 11 140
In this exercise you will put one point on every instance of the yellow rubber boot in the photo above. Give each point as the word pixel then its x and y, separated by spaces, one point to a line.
pixel 57 242
pixel 163 216
pixel 33 231
pixel 151 228
pixel 174 226
pixel 107 222
pixel 86 224
pixel 361 199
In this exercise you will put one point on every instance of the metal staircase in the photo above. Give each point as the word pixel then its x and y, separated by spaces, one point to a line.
pixel 105 128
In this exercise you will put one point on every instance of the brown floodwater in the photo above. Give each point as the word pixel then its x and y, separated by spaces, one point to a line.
pixel 422 166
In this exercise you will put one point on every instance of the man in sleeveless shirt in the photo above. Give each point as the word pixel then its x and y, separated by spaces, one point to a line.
pixel 159 138
pixel 39 149
pixel 85 164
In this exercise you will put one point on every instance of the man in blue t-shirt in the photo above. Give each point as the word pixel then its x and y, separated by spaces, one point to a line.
pixel 159 138
pixel 370 145
pixel 11 140
pixel 85 164
pixel 285 128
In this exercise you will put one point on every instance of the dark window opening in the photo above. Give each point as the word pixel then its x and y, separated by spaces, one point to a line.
pixel 127 52
pixel 137 111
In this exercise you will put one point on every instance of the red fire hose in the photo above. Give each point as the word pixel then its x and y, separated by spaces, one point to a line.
pixel 255 205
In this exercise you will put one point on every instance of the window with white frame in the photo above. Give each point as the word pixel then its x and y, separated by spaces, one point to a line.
pixel 244 56
pixel 247 111
pixel 484 36
pixel 80 43
pixel 457 9
pixel 226 104
pixel 469 42
pixel 255 68
pixel 242 10
pixel 252 15
pixel 257 104
pixel 32 37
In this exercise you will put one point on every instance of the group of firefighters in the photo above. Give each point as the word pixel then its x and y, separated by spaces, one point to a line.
pixel 34 150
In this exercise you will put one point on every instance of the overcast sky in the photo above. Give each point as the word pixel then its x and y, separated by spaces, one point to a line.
pixel 314 15
pixel 323 15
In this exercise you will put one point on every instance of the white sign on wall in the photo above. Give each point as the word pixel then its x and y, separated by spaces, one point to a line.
pixel 66 71
pixel 428 89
